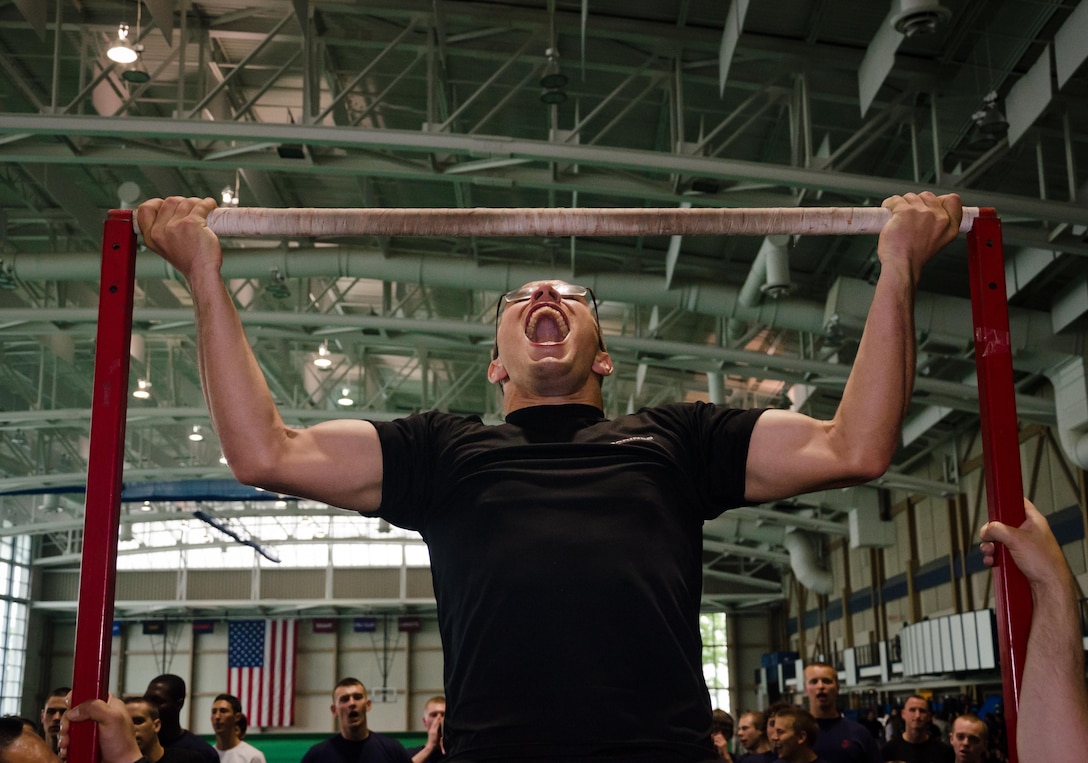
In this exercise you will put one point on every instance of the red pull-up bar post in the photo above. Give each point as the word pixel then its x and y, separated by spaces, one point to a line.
pixel 1001 450
pixel 102 512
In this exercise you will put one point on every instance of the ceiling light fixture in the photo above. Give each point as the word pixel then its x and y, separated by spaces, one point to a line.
pixel 990 124
pixel 121 51
pixel 135 72
pixel 146 506
pixel 195 435
pixel 918 17
pixel 229 194
pixel 345 397
pixel 323 361
pixel 143 389
pixel 553 80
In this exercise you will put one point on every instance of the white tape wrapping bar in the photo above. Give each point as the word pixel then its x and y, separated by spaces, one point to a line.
pixel 499 221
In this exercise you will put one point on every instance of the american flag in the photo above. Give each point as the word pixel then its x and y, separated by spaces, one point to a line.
pixel 261 670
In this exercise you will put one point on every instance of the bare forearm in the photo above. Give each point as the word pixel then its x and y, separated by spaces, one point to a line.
pixel 858 444
pixel 1053 692
pixel 241 406
pixel 878 391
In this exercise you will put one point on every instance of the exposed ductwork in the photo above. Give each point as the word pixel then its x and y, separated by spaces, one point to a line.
pixel 804 562
pixel 801 545
pixel 1070 382
pixel 915 17
pixel 769 274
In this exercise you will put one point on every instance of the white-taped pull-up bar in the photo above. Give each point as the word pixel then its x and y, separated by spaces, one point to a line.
pixel 549 222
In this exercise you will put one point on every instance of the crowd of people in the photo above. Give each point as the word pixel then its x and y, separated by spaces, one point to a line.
pixel 146 728
pixel 815 733
pixel 911 733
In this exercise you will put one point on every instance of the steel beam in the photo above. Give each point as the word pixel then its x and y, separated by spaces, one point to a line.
pixel 864 186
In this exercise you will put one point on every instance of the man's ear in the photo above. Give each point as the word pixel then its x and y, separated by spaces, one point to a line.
pixel 602 364
pixel 157 725
pixel 496 372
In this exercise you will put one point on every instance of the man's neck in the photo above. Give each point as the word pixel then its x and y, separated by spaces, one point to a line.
pixel 154 752
pixel 355 735
pixel 803 756
pixel 226 743
pixel 170 733
pixel 515 398
pixel 916 736
pixel 828 713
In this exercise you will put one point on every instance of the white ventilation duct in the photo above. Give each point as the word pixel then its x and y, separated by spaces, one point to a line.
pixel 770 272
pixel 805 563
pixel 1071 398
pixel 918 17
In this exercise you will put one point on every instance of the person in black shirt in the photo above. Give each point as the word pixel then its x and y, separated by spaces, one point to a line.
pixel 145 723
pixel 916 744
pixel 565 547
pixel 795 733
pixel 752 733
pixel 355 743
pixel 841 740
pixel 167 693
pixel 969 738
pixel 434 751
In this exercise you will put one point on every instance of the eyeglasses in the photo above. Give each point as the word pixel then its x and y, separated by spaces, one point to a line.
pixel 564 290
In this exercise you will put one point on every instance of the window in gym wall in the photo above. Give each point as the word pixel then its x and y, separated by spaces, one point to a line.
pixel 715 659
pixel 295 537
pixel 14 609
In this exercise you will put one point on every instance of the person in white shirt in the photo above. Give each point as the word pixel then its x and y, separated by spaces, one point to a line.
pixel 228 723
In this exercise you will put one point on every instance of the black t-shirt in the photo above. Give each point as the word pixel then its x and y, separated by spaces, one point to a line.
pixel 180 755
pixel 757 757
pixel 845 741
pixel 932 750
pixel 190 741
pixel 376 748
pixel 566 554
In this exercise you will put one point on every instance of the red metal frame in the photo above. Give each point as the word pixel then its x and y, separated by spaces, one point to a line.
pixel 98 571
pixel 1001 449
pixel 98 574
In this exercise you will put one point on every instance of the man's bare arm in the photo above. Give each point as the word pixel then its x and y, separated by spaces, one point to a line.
pixel 1052 693
pixel 338 462
pixel 791 453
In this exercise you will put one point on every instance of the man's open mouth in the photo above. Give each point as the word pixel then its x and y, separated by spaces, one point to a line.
pixel 546 325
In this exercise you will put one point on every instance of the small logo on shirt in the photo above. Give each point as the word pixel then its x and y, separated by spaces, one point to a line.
pixel 626 440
